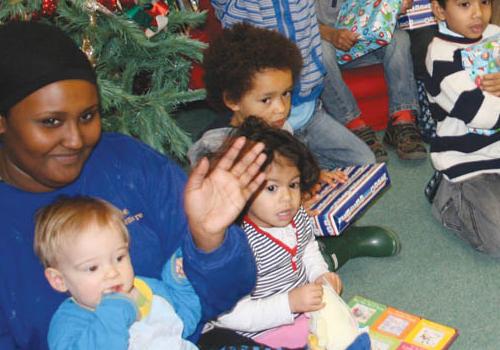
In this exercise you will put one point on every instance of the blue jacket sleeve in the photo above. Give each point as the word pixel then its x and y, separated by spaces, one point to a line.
pixel 74 327
pixel 6 339
pixel 221 277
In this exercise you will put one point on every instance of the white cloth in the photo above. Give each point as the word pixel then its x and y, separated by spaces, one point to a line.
pixel 161 329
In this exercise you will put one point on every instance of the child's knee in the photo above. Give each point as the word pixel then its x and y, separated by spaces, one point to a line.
pixel 401 40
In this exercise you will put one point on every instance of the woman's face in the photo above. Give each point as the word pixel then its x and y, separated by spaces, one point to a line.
pixel 48 136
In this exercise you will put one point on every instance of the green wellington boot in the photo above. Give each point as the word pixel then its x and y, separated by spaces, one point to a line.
pixel 358 241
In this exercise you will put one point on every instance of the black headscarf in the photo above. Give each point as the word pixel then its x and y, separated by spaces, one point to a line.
pixel 33 55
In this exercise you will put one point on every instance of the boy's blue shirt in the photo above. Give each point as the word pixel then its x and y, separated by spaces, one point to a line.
pixel 148 187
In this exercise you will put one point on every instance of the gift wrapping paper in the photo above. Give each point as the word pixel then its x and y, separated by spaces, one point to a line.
pixel 482 58
pixel 339 206
pixel 373 20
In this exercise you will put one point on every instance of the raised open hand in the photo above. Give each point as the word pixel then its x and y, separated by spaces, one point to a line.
pixel 214 200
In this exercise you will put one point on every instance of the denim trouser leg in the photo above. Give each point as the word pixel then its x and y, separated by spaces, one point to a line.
pixel 398 70
pixel 332 144
pixel 471 208
pixel 336 97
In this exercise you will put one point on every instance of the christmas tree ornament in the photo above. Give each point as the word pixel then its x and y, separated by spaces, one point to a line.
pixel 111 5
pixel 152 17
pixel 49 8
pixel 87 47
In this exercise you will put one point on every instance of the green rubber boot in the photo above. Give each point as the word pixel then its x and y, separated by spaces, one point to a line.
pixel 358 241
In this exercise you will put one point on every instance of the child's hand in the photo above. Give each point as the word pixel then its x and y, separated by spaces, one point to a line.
pixel 306 298
pixel 333 279
pixel 342 39
pixel 331 177
pixel 491 83
pixel 407 4
pixel 134 295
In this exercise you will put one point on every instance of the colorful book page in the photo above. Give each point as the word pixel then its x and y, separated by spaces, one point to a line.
pixel 431 336
pixel 406 346
pixel 365 311
pixel 395 323
pixel 382 342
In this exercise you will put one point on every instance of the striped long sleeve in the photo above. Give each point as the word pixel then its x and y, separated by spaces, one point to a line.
pixel 466 143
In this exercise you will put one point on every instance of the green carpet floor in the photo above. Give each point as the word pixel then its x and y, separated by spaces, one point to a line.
pixel 435 276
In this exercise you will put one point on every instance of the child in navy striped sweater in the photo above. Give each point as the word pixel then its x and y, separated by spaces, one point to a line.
pixel 466 149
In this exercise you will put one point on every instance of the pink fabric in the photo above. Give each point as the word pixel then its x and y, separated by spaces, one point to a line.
pixel 288 336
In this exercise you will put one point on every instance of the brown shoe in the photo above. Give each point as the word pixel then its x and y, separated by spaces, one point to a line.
pixel 370 138
pixel 406 139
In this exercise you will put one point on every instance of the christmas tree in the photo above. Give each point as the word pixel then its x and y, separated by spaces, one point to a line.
pixel 142 62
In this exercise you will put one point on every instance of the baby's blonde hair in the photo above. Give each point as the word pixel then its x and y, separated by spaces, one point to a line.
pixel 66 218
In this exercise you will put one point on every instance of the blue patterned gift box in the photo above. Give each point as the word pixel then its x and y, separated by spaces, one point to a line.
pixel 482 58
pixel 373 20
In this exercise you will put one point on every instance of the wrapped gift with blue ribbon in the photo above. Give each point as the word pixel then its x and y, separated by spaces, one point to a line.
pixel 374 21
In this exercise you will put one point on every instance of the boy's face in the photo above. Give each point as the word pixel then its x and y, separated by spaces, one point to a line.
pixel 95 263
pixel 279 200
pixel 466 17
pixel 269 98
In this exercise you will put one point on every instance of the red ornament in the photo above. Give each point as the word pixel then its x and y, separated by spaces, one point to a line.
pixel 109 4
pixel 49 8
pixel 127 4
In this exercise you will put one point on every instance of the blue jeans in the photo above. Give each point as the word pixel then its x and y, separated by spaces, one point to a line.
pixel 470 208
pixel 398 68
pixel 333 144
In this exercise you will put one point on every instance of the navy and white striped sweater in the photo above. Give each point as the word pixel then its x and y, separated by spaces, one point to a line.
pixel 459 106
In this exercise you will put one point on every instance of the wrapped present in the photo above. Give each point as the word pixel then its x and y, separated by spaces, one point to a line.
pixel 339 206
pixel 418 16
pixel 373 20
pixel 482 58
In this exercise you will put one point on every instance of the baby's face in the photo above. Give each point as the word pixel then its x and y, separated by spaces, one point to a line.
pixel 279 200
pixel 95 263
pixel 269 98
pixel 466 17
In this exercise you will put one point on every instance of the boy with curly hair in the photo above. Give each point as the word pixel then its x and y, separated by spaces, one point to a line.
pixel 251 71
pixel 255 71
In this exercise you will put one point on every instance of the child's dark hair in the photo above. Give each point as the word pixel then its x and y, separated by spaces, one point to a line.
pixel 442 3
pixel 278 142
pixel 232 60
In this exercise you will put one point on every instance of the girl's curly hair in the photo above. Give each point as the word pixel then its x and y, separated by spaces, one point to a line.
pixel 277 142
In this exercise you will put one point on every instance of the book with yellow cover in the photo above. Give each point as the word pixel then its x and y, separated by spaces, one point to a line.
pixel 394 329
pixel 431 335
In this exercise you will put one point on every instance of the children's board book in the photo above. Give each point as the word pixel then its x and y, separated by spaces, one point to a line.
pixel 393 329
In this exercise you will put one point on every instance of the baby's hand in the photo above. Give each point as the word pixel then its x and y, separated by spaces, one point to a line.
pixel 133 294
pixel 333 279
pixel 306 298
pixel 491 83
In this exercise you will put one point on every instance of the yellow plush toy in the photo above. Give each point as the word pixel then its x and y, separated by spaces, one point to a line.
pixel 334 327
